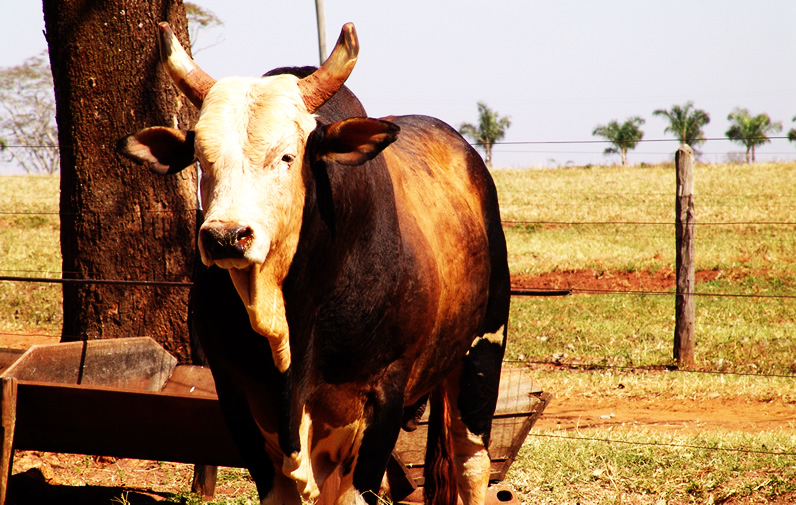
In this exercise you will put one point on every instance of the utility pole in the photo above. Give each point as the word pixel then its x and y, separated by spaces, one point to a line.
pixel 319 14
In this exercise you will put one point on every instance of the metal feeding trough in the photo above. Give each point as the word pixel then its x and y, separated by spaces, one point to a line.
pixel 128 398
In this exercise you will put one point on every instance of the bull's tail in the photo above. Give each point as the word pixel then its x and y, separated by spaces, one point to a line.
pixel 439 472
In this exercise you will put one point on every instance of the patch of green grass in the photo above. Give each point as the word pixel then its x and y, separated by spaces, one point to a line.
pixel 747 335
pixel 635 209
pixel 577 195
pixel 30 247
pixel 727 198
pixel 733 335
pixel 228 474
pixel 29 193
pixel 722 193
pixel 630 384
pixel 247 498
pixel 653 468
pixel 737 334
pixel 617 330
pixel 600 247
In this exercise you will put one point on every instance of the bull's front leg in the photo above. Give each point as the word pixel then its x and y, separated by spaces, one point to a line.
pixel 362 476
pixel 238 359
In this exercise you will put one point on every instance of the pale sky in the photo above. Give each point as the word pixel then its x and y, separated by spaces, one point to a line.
pixel 558 69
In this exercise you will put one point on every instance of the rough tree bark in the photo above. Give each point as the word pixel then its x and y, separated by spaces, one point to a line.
pixel 117 220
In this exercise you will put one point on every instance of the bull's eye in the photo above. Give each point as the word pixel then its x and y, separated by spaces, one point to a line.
pixel 288 158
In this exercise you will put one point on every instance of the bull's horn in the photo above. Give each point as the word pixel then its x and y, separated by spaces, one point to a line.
pixel 319 86
pixel 186 74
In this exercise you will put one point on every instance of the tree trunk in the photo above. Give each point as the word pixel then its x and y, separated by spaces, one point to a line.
pixel 624 156
pixel 117 220
pixel 488 155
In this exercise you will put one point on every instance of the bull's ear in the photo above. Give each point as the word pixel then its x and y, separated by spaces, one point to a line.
pixel 163 150
pixel 356 140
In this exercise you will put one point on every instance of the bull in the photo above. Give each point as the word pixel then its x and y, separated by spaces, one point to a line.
pixel 354 271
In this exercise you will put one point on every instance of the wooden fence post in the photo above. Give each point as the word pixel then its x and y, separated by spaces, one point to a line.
pixel 8 419
pixel 684 226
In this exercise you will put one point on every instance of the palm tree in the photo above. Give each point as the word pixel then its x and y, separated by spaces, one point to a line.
pixel 685 123
pixel 750 131
pixel 792 133
pixel 623 136
pixel 490 129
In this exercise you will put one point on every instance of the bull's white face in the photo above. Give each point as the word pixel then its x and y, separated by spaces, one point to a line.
pixel 250 140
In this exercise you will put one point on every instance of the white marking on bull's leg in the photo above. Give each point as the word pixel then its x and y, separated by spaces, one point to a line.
pixel 471 458
pixel 350 497
pixel 299 466
pixel 346 493
pixel 494 338
pixel 283 493
pixel 472 462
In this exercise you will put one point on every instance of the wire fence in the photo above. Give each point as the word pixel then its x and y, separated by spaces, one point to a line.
pixel 499 145
pixel 59 277
pixel 531 142
pixel 63 277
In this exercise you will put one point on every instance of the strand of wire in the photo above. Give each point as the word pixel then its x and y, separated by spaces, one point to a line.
pixel 505 221
pixel 704 139
pixel 558 364
pixel 520 142
pixel 527 291
pixel 649 223
pixel 589 192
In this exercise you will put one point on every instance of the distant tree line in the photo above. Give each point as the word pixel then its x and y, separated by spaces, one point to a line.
pixel 28 134
pixel 686 123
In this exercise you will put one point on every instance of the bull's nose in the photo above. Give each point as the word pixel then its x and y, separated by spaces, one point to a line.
pixel 225 242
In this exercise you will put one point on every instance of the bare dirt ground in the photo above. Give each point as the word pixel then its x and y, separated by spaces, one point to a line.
pixel 592 280
pixel 728 414
pixel 65 478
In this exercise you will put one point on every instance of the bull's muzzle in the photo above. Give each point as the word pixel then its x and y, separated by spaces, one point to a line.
pixel 224 242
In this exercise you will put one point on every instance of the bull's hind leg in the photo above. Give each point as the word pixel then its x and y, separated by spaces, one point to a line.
pixel 473 393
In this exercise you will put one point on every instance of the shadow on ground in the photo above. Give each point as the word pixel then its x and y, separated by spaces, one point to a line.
pixel 31 488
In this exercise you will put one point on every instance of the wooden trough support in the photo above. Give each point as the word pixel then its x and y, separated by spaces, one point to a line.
pixel 127 398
